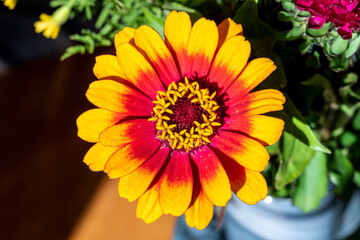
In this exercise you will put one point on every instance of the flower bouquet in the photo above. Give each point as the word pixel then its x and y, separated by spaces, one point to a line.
pixel 204 100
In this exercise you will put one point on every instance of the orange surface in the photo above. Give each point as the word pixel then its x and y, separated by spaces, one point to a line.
pixel 110 217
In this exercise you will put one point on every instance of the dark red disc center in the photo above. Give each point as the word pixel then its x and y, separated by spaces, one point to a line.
pixel 185 113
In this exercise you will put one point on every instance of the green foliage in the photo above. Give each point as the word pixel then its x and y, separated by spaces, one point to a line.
pixel 313 184
pixel 306 158
pixel 295 125
pixel 294 158
pixel 305 46
pixel 339 52
pixel 338 46
pixel 356 121
pixel 342 173
pixel 89 40
pixel 112 15
pixel 353 46
pixel 285 16
pixel 319 32
pixel 156 22
pixel 348 139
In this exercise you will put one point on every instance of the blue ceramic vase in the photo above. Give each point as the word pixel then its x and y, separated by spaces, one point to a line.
pixel 278 218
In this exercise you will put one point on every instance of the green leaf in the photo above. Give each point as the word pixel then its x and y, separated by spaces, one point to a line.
pixel 155 22
pixel 350 110
pixel 295 125
pixel 343 167
pixel 179 7
pixel 339 63
pixel 273 149
pixel 103 16
pixel 305 46
pixel 72 50
pixel 131 17
pixel 262 39
pixel 313 184
pixel 353 47
pixel 356 121
pixel 319 32
pixel 288 6
pixel 127 3
pixel 350 78
pixel 327 49
pixel 343 118
pixel 311 139
pixel 348 139
pixel 293 34
pixel 338 46
pixel 295 157
pixel 304 14
pixel 57 3
pixel 285 16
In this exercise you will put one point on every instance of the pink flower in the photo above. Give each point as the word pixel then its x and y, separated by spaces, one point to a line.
pixel 349 4
pixel 316 22
pixel 344 14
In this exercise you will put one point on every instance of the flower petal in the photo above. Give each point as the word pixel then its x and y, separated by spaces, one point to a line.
pixel 213 178
pixel 117 97
pixel 148 40
pixel 249 186
pixel 148 207
pixel 107 66
pixel 258 102
pixel 126 132
pixel 254 188
pixel 246 151
pixel 263 128
pixel 229 61
pixel 130 157
pixel 200 213
pixel 254 73
pixel 227 29
pixel 138 70
pixel 176 185
pixel 137 142
pixel 134 184
pixel 98 155
pixel 124 36
pixel 177 30
pixel 92 122
pixel 201 48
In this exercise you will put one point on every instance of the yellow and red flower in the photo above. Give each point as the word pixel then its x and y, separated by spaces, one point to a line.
pixel 176 121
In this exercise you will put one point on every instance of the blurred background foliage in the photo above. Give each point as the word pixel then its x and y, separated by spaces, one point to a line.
pixel 317 71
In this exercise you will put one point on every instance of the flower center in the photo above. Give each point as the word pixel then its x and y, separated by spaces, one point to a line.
pixel 186 116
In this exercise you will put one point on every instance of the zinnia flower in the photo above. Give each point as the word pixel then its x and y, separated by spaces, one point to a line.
pixel 10 3
pixel 176 121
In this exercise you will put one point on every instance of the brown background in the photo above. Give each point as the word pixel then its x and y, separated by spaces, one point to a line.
pixel 46 191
